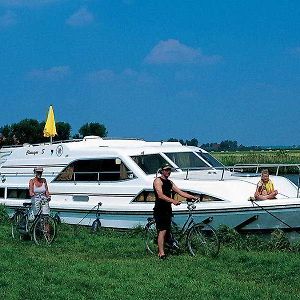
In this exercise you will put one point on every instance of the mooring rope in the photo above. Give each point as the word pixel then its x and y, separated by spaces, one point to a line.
pixel 271 214
pixel 87 214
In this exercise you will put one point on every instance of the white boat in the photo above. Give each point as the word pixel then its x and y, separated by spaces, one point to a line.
pixel 119 174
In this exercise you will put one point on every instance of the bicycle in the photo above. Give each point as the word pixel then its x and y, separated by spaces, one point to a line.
pixel 199 237
pixel 42 229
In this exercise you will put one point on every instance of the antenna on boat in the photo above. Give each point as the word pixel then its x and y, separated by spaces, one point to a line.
pixel 50 128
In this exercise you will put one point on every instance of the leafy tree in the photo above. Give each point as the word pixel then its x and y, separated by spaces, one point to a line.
pixel 192 142
pixel 93 129
pixel 27 131
pixel 63 130
pixel 30 131
pixel 229 145
pixel 173 140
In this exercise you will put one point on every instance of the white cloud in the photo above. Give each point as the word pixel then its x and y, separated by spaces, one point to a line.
pixel 173 52
pixel 26 3
pixel 104 75
pixel 125 76
pixel 8 19
pixel 81 17
pixel 53 74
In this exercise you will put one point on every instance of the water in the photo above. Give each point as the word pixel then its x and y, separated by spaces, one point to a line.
pixel 292 177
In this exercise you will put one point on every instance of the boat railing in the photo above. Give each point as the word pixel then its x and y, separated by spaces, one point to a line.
pixel 68 141
pixel 257 167
pixel 241 167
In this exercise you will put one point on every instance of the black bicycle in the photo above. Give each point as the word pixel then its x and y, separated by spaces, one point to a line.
pixel 199 238
pixel 42 229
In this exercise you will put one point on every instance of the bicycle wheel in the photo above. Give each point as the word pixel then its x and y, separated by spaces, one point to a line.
pixel 151 237
pixel 18 225
pixel 96 225
pixel 202 239
pixel 44 230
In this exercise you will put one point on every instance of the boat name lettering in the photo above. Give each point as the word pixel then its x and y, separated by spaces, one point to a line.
pixel 32 152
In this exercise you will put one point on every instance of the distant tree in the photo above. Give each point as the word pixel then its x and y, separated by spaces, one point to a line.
pixel 173 140
pixel 31 131
pixel 63 131
pixel 192 142
pixel 26 131
pixel 211 146
pixel 228 145
pixel 93 129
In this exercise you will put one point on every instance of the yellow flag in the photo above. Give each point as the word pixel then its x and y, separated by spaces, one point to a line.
pixel 50 128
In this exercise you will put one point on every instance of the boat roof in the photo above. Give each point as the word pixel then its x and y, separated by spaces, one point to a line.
pixel 90 145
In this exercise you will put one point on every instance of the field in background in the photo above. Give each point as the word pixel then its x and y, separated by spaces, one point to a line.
pixel 258 157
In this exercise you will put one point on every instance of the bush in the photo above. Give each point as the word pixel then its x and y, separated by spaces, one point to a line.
pixel 3 214
pixel 279 241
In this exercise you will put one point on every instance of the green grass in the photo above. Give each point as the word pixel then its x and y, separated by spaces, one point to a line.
pixel 258 157
pixel 114 265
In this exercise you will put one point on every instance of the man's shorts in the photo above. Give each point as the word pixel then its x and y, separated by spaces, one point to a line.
pixel 163 221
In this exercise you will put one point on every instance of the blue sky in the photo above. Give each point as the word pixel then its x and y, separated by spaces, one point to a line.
pixel 211 70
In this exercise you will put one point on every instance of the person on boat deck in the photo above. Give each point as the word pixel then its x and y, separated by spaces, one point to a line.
pixel 265 188
pixel 38 191
pixel 163 188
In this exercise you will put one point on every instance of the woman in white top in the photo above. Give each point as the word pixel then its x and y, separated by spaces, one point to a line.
pixel 38 191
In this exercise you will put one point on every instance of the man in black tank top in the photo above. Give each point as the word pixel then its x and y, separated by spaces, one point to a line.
pixel 163 189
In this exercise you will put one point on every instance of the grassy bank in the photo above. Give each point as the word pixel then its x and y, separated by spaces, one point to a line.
pixel 114 265
pixel 258 157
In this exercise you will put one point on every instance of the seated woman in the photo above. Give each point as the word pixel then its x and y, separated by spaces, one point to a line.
pixel 265 188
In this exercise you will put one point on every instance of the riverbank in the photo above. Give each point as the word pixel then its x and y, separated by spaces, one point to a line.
pixel 114 265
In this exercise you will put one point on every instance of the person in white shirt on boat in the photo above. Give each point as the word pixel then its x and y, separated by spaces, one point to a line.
pixel 265 187
pixel 38 191
pixel 163 188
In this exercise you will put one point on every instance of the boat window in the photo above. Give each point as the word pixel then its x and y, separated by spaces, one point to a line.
pixel 2 192
pixel 149 163
pixel 145 196
pixel 18 193
pixel 211 160
pixel 95 170
pixel 186 160
pixel 149 196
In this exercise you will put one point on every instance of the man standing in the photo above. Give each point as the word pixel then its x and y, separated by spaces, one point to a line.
pixel 163 188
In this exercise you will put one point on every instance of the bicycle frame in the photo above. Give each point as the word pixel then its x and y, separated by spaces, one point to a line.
pixel 188 223
pixel 30 225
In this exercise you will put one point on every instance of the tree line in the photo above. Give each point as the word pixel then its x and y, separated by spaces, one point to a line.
pixel 31 131
pixel 227 145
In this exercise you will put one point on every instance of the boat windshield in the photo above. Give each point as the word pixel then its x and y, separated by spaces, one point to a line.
pixel 187 160
pixel 211 160
pixel 149 163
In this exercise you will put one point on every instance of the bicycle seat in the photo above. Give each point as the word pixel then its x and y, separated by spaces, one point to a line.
pixel 27 204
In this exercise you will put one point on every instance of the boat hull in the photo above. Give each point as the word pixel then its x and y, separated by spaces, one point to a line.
pixel 255 218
